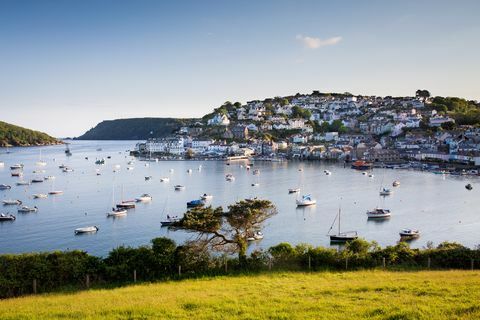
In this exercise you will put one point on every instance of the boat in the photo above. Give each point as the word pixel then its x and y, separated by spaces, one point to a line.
pixel 40 162
pixel 130 168
pixel 341 236
pixel 189 171
pixel 17 174
pixel 53 192
pixel 468 187
pixel 23 183
pixel 126 205
pixel 148 178
pixel 11 202
pixel 2 164
pixel 37 180
pixel 17 166
pixel 38 171
pixel 179 187
pixel 67 149
pixel 396 183
pixel 300 169
pixel 169 221
pixel 7 217
pixel 327 172
pixel 5 187
pixel 27 209
pixel 361 165
pixel 100 162
pixel 379 213
pixel 40 196
pixel 365 173
pixel 144 198
pixel 67 169
pixel 99 149
pixel 86 230
pixel 385 192
pixel 306 200
pixel 256 172
pixel 294 190
pixel 229 177
pixel 62 166
pixel 255 236
pixel 164 179
pixel 409 233
pixel 117 212
pixel 206 197
pixel 195 203
pixel 371 175
pixel 255 184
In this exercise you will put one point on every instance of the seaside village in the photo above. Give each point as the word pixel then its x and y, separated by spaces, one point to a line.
pixel 377 130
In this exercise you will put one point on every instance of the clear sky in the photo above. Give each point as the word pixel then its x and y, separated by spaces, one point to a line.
pixel 67 65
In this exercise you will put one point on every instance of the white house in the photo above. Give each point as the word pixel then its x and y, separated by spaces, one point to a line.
pixel 219 120
pixel 438 121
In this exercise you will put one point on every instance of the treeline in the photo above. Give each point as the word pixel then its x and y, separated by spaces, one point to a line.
pixel 465 112
pixel 163 259
pixel 11 135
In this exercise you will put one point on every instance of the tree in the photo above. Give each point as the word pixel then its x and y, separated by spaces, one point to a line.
pixel 424 94
pixel 237 104
pixel 228 231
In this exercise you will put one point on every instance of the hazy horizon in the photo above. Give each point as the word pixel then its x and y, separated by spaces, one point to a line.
pixel 67 66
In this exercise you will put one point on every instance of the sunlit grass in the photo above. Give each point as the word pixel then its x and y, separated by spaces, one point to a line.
pixel 325 295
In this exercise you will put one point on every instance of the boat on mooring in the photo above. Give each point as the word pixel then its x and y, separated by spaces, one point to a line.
pixel 144 198
pixel 255 236
pixel 5 187
pixel 294 190
pixel 361 165
pixel 169 221
pixel 341 236
pixel 195 203
pixel 306 200
pixel 206 197
pixel 379 213
pixel 179 187
pixel 91 229
pixel 11 202
pixel 7 217
pixel 385 192
pixel 407 234
pixel 27 209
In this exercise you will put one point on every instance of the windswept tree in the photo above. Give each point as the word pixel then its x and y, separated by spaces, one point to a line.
pixel 228 231
pixel 423 94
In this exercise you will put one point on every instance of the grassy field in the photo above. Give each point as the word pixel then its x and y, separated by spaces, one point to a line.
pixel 326 295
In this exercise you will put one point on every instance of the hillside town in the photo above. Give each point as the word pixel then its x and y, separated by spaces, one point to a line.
pixel 318 126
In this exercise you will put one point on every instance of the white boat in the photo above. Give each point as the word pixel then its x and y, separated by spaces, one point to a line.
pixel 2 164
pixel 255 184
pixel 229 177
pixel 385 192
pixel 41 163
pixel 306 200
pixel 327 172
pixel 294 190
pixel 341 236
pixel 38 171
pixel 26 209
pixel 169 221
pixel 130 168
pixel 7 217
pixel 179 187
pixel 409 233
pixel 67 169
pixel 11 202
pixel 364 173
pixel 23 183
pixel 49 178
pixel 17 166
pixel 144 198
pixel 165 179
pixel 171 170
pixel 40 196
pixel 206 197
pixel 396 183
pixel 371 175
pixel 116 212
pixel 379 213
pixel 189 171
pixel 86 229
pixel 5 187
pixel 255 236
pixel 130 162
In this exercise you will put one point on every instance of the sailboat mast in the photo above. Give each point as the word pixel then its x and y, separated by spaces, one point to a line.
pixel 339 211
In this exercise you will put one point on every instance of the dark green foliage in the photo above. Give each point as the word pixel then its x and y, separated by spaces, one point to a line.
pixel 11 135
pixel 134 129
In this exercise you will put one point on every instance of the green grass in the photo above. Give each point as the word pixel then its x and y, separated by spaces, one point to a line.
pixel 325 295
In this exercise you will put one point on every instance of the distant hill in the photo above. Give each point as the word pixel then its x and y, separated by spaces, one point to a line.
pixel 11 135
pixel 134 129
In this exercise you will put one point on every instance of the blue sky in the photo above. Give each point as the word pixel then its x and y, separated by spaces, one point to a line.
pixel 67 65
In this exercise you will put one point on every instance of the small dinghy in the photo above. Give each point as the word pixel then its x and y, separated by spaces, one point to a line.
pixel 409 233
pixel 305 201
pixel 195 203
pixel 396 183
pixel 144 198
pixel 165 179
pixel 116 212
pixel 229 177
pixel 40 196
pixel 66 169
pixel 23 183
pixel 255 236
pixel 179 187
pixel 37 180
pixel 11 202
pixel 17 174
pixel 49 178
pixel 26 209
pixel 53 192
pixel 148 178
pixel 5 187
pixel 86 230
pixel 17 166
pixel 255 184
pixel 327 172
pixel 126 205
pixel 169 221
pixel 7 217
pixel 468 187
pixel 385 192
pixel 379 213
pixel 294 190
pixel 206 197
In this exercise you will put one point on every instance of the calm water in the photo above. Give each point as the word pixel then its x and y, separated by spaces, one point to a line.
pixel 438 205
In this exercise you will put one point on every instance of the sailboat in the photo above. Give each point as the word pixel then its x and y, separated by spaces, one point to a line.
pixel 384 191
pixel 116 212
pixel 40 162
pixel 53 191
pixel 341 236
pixel 170 220
pixel 67 149
pixel 129 204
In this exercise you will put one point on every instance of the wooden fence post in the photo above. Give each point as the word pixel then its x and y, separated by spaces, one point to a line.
pixel 309 263
pixel 472 264
pixel 270 264
pixel 226 265
pixel 429 263
pixel 179 270
pixel 383 262
pixel 34 286
pixel 135 275
pixel 87 281
pixel 346 263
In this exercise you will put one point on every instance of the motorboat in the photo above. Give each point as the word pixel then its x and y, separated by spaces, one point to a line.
pixel 40 196
pixel 340 236
pixel 229 177
pixel 17 166
pixel 5 187
pixel 179 187
pixel 147 178
pixel 126 205
pixel 53 192
pixel 361 165
pixel 23 183
pixel 86 230
pixel 255 184
pixel 195 203
pixel 62 166
pixel 165 179
pixel 144 198
pixel 27 209
pixel 67 169
pixel 371 175
pixel 189 171
pixel 100 162
pixel 306 200
pixel 130 168
pixel 117 212
pixel 255 236
pixel 49 178
pixel 294 190
pixel 409 233
pixel 17 174
pixel 468 187
pixel 396 183
pixel 327 172
pixel 206 197
pixel 385 192
pixel 169 221
pixel 7 217
pixel 11 202
pixel 38 171
pixel 379 213
pixel 37 180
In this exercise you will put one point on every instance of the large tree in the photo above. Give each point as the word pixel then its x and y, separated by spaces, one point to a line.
pixel 228 231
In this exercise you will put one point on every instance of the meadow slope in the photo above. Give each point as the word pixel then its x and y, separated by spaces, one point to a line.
pixel 323 295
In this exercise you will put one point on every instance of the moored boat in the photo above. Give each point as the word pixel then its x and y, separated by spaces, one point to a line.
pixel 385 192
pixel 126 205
pixel 379 213
pixel 17 173
pixel 255 236
pixel 23 183
pixel 40 196
pixel 11 202
pixel 7 217
pixel 53 192
pixel 27 209
pixel 306 200
pixel 169 221
pixel 117 212
pixel 361 165
pixel 396 183
pixel 195 203
pixel 206 197
pixel 17 166
pixel 86 230
pixel 468 187
pixel 179 187
pixel 294 190
pixel 229 177
pixel 340 236
pixel 5 187
pixel 144 198
pixel 409 233
pixel 165 179
pixel 37 180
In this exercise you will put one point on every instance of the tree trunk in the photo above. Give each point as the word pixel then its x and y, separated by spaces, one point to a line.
pixel 242 253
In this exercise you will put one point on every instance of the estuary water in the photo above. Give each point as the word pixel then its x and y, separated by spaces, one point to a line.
pixel 439 206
